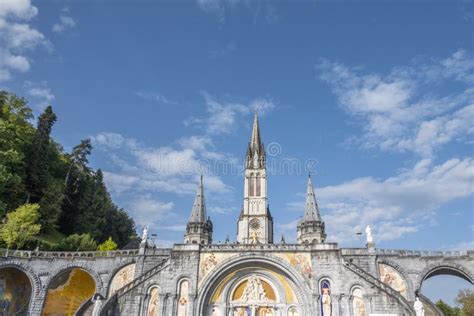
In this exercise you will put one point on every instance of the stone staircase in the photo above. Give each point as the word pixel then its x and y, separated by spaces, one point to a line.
pixel 109 307
pixel 408 309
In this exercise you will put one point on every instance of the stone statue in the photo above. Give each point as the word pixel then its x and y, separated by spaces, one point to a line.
pixel 370 238
pixel 97 301
pixel 145 234
pixel 419 308
pixel 254 291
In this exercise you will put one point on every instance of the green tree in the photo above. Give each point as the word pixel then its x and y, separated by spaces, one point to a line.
pixel 465 299
pixel 39 155
pixel 22 224
pixel 76 242
pixel 16 135
pixel 448 310
pixel 107 245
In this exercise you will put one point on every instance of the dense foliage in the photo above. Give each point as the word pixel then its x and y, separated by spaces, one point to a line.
pixel 448 310
pixel 21 225
pixel 34 169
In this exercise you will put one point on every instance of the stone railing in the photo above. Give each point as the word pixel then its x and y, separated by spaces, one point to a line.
pixel 231 247
pixel 418 253
pixel 379 284
pixel 67 254
pixel 109 304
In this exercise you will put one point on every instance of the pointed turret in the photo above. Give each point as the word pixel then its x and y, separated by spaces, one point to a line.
pixel 256 150
pixel 311 210
pixel 199 228
pixel 198 213
pixel 311 228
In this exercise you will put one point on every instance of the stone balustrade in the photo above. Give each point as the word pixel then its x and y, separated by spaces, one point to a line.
pixel 66 254
pixel 424 253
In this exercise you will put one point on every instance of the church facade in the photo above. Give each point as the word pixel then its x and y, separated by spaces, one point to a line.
pixel 254 276
pixel 258 277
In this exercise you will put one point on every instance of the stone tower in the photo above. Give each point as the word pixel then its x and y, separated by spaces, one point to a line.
pixel 199 228
pixel 255 223
pixel 310 228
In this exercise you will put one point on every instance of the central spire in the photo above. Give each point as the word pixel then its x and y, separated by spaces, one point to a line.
pixel 256 150
pixel 255 223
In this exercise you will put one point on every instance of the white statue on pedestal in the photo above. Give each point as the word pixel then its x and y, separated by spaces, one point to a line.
pixel 418 306
pixel 97 301
pixel 370 237
pixel 145 234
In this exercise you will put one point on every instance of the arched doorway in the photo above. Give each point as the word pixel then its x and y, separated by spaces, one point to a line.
pixel 15 291
pixel 68 291
pixel 253 287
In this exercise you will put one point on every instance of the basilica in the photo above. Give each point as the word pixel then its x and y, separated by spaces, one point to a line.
pixel 253 276
pixel 256 276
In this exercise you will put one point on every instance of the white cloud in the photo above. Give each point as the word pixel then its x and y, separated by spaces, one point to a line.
pixel 153 96
pixel 397 114
pixel 65 22
pixel 263 11
pixel 18 9
pixel 223 115
pixel 395 206
pixel 166 169
pixel 17 36
pixel 146 209
pixel 40 92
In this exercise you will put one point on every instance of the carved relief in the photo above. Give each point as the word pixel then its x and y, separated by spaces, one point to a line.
pixel 393 278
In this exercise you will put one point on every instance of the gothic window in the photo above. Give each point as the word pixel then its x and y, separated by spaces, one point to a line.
pixel 251 185
pixel 326 301
pixel 358 306
pixel 257 184
pixel 183 299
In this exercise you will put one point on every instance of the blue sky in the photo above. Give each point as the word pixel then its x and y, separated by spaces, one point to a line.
pixel 376 99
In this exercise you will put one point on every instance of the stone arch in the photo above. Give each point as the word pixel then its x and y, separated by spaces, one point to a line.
pixel 95 276
pixel 448 268
pixel 229 265
pixel 114 273
pixel 321 279
pixel 35 281
pixel 99 288
pixel 180 278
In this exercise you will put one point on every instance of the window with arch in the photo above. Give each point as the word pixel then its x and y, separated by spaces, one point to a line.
pixel 183 298
pixel 358 305
pixel 293 311
pixel 257 185
pixel 251 185
pixel 153 302
pixel 325 297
